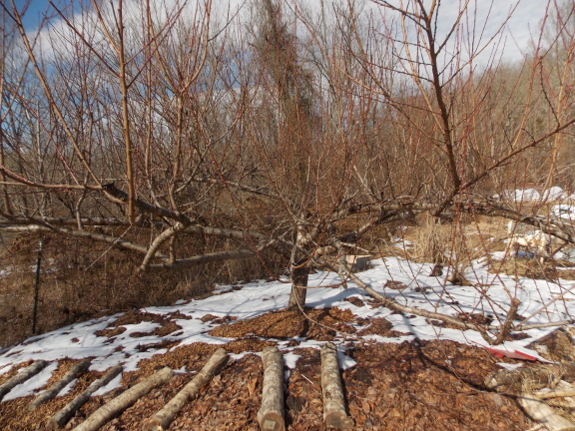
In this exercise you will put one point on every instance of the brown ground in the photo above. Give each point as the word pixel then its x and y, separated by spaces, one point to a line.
pixel 421 385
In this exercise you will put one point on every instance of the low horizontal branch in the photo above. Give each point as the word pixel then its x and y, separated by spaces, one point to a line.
pixel 62 221
pixel 146 207
pixel 394 305
pixel 21 181
pixel 116 241
pixel 479 205
pixel 281 246
pixel 202 259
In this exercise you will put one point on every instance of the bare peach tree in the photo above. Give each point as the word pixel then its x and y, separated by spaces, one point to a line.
pixel 144 125
pixel 121 109
pixel 458 125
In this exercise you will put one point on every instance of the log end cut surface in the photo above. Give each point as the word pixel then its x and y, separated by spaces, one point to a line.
pixel 338 420
pixel 272 422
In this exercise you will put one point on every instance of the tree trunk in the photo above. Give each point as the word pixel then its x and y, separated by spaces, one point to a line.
pixel 334 413
pixel 271 413
pixel 116 406
pixel 21 377
pixel 162 419
pixel 299 277
pixel 78 368
pixel 60 418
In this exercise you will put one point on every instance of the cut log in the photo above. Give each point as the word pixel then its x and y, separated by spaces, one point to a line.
pixel 334 412
pixel 544 414
pixel 78 368
pixel 21 377
pixel 514 381
pixel 116 406
pixel 59 419
pixel 271 412
pixel 555 393
pixel 162 419
pixel 562 399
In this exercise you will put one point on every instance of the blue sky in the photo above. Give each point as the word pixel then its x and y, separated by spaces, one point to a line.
pixel 34 12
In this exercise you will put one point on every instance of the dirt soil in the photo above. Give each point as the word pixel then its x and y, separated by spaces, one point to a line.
pixel 417 385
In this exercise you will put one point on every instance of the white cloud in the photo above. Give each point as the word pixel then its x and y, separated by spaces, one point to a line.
pixel 485 16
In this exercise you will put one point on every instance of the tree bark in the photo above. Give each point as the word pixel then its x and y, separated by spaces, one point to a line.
pixel 162 419
pixel 201 259
pixel 21 377
pixel 271 413
pixel 78 368
pixel 116 406
pixel 334 413
pixel 60 418
pixel 299 278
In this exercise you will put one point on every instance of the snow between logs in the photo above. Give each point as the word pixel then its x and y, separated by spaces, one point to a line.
pixel 125 400
pixel 59 419
pixel 30 371
pixel 51 393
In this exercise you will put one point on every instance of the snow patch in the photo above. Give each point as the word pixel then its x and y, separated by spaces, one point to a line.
pixel 114 383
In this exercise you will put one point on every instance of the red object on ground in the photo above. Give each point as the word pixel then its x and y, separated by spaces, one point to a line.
pixel 515 354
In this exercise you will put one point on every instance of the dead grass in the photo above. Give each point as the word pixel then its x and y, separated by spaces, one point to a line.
pixel 532 268
pixel 81 280
pixel 453 244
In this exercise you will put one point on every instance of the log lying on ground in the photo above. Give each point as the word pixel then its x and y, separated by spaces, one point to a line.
pixel 555 393
pixel 78 368
pixel 162 419
pixel 116 406
pixel 21 377
pixel 59 419
pixel 562 398
pixel 271 412
pixel 544 414
pixel 513 381
pixel 525 380
pixel 334 413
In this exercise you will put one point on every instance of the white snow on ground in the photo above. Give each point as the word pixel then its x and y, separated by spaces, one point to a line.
pixel 490 295
pixel 529 195
pixel 526 195
pixel 564 211
pixel 553 194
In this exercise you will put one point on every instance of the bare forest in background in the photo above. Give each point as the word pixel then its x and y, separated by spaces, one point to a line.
pixel 158 150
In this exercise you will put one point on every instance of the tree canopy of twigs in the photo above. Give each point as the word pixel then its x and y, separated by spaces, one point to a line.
pixel 291 134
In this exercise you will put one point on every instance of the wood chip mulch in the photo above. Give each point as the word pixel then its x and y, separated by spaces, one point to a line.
pixel 286 324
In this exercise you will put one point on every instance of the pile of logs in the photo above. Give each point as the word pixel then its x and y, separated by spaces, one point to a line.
pixel 270 416
pixel 271 413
